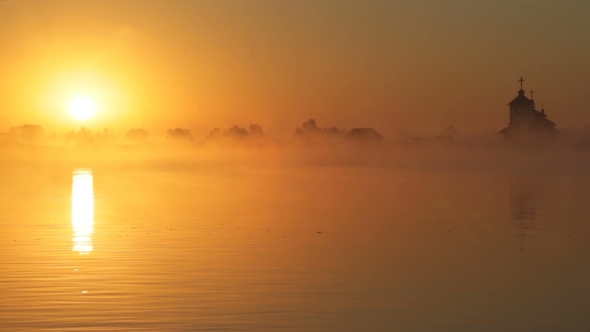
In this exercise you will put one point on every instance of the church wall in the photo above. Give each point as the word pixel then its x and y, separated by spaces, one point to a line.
pixel 521 114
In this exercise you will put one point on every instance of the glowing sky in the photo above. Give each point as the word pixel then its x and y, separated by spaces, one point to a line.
pixel 413 64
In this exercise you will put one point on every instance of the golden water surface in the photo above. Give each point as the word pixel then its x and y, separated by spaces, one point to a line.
pixel 292 249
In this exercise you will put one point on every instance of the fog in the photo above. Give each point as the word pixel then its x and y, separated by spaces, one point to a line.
pixel 310 146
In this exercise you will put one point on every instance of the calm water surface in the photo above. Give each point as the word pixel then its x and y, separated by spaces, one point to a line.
pixel 293 249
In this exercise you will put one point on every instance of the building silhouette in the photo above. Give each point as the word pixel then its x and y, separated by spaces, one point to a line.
pixel 527 124
pixel 364 136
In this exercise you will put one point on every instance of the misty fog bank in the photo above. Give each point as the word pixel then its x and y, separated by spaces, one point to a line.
pixel 179 157
pixel 310 145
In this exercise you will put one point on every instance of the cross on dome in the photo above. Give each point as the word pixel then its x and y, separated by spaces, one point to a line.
pixel 521 80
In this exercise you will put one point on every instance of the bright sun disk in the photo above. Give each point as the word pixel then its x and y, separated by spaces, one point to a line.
pixel 82 108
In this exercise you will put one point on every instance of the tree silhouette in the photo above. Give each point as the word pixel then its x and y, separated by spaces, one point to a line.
pixel 311 132
pixel 136 134
pixel 179 134
pixel 27 133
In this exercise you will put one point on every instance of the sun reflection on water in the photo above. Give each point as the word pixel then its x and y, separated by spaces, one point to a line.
pixel 82 211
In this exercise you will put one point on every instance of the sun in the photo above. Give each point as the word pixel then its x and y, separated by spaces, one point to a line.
pixel 82 108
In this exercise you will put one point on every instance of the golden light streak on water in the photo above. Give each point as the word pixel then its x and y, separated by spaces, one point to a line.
pixel 82 211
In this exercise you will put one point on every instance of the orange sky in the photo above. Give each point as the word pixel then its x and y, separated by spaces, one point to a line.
pixel 419 65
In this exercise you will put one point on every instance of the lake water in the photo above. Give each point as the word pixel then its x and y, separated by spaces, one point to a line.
pixel 293 248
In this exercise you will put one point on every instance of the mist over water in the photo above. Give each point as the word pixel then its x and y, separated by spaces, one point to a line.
pixel 187 155
pixel 292 237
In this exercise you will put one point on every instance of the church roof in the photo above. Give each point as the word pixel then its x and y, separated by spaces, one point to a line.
pixel 521 99
pixel 542 119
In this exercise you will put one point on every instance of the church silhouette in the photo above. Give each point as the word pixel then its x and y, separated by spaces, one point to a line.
pixel 527 124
